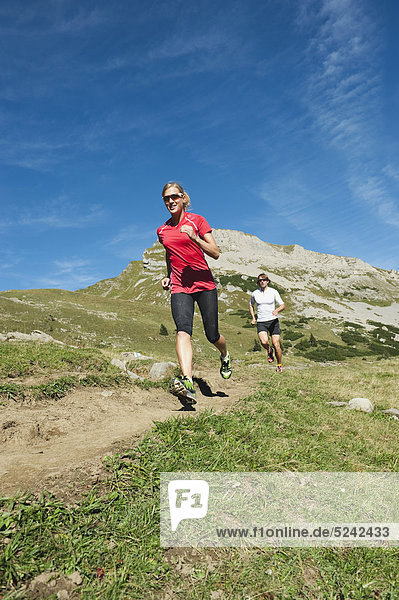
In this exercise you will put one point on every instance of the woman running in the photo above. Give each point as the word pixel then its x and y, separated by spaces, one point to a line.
pixel 186 238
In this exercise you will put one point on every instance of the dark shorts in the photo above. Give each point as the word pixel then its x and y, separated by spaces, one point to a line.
pixel 272 327
pixel 183 312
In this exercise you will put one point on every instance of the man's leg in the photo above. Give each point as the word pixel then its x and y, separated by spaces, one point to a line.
pixel 264 340
pixel 277 347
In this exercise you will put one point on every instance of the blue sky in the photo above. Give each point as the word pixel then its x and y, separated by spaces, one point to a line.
pixel 279 117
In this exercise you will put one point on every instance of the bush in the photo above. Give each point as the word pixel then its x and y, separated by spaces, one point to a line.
pixel 325 354
pixel 353 337
pixel 353 325
pixel 163 330
pixel 292 335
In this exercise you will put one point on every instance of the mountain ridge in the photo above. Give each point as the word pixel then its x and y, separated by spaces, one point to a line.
pixel 315 284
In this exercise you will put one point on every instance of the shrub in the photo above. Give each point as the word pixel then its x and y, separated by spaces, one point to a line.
pixel 292 335
pixel 163 330
pixel 353 337
pixel 325 354
pixel 353 325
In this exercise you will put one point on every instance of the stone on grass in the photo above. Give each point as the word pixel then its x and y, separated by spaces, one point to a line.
pixel 161 370
pixel 128 356
pixel 76 578
pixel 391 411
pixel 134 375
pixel 35 336
pixel 118 363
pixel 362 404
pixel 44 577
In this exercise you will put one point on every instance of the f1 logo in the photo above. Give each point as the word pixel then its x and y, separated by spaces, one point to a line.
pixel 188 499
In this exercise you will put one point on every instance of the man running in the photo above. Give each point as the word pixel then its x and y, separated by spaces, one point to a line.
pixel 265 299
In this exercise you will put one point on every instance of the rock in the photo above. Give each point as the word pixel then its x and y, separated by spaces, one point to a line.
pixel 334 403
pixel 35 336
pixel 134 375
pixel 128 356
pixel 75 578
pixel 161 370
pixel 2 337
pixel 118 363
pixel 362 404
pixel 391 411
pixel 62 595
pixel 43 577
pixel 107 393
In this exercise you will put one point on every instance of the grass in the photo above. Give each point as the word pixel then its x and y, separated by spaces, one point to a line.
pixel 84 367
pixel 112 538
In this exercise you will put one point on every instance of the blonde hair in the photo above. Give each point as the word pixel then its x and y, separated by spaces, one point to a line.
pixel 186 199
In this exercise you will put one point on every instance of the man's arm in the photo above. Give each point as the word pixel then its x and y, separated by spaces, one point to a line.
pixel 279 309
pixel 251 310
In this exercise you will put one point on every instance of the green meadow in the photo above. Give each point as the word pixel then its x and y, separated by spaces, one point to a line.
pixel 111 534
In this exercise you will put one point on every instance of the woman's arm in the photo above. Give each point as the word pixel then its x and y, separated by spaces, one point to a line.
pixel 165 282
pixel 207 243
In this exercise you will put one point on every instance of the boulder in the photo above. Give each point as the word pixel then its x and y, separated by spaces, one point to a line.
pixel 161 370
pixel 134 375
pixel 128 356
pixel 392 411
pixel 35 336
pixel 362 404
pixel 118 363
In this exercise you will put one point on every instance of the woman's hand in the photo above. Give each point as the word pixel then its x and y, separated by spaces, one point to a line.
pixel 190 232
pixel 165 283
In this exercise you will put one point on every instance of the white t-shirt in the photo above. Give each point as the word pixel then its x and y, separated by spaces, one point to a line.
pixel 265 303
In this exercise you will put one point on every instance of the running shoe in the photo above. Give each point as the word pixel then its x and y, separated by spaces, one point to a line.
pixel 184 389
pixel 225 367
pixel 270 356
pixel 279 369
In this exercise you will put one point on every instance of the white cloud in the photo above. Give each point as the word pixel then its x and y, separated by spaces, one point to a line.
pixel 62 214
pixel 344 96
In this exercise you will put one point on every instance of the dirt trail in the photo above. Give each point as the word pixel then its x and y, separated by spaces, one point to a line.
pixel 60 446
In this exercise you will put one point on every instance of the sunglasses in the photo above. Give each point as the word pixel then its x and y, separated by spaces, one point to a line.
pixel 263 279
pixel 173 197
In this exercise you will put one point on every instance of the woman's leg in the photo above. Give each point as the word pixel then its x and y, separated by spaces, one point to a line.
pixel 221 345
pixel 184 352
pixel 183 312
pixel 208 305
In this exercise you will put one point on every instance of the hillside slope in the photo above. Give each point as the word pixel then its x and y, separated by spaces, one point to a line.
pixel 314 284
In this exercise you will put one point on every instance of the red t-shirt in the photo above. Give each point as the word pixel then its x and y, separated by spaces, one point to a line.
pixel 189 270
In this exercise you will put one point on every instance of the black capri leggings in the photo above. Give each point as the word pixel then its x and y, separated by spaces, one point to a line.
pixel 183 312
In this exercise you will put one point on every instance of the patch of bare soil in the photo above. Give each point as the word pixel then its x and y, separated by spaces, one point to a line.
pixel 60 447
